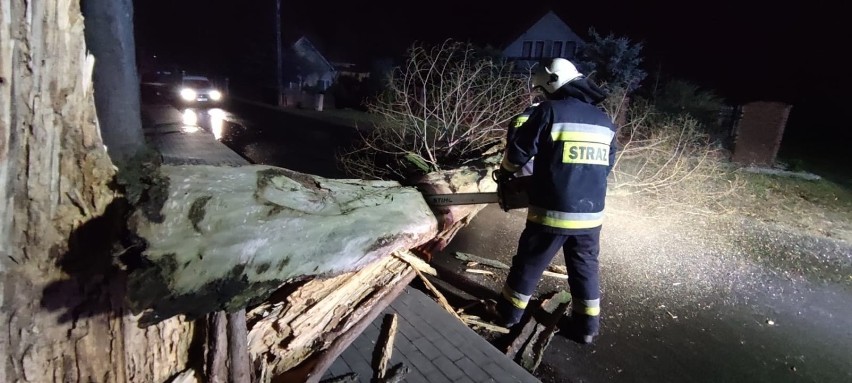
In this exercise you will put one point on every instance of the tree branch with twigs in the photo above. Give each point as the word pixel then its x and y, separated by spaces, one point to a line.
pixel 444 106
pixel 668 156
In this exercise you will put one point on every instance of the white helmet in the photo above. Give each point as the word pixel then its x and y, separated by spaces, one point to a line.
pixel 551 75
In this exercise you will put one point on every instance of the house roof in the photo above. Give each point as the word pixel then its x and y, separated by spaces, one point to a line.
pixel 494 27
pixel 304 43
pixel 331 48
pixel 513 26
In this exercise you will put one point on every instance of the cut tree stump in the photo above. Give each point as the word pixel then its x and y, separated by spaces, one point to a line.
pixel 528 348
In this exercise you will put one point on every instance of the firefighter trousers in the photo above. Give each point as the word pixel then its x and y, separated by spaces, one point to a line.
pixel 536 249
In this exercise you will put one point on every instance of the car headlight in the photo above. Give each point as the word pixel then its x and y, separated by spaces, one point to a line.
pixel 215 95
pixel 188 94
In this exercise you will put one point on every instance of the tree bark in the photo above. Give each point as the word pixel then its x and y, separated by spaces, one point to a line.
pixel 217 370
pixel 240 370
pixel 226 237
pixel 61 308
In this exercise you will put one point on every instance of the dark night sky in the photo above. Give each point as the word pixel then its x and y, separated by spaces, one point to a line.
pixel 746 49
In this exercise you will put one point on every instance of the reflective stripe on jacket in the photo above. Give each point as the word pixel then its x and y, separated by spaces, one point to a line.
pixel 574 147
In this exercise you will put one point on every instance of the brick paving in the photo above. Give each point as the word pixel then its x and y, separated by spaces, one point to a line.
pixel 434 345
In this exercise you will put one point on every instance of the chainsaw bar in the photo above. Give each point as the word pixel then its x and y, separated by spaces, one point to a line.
pixel 460 199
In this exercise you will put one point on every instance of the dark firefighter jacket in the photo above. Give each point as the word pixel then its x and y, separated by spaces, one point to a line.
pixel 574 147
pixel 514 124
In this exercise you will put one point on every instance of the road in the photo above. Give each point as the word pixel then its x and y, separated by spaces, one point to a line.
pixel 680 310
pixel 682 300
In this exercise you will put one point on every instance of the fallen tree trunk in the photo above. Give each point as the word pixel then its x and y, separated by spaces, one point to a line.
pixel 468 179
pixel 226 237
pixel 282 342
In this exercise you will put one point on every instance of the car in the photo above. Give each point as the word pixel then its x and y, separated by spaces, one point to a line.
pixel 198 91
pixel 179 89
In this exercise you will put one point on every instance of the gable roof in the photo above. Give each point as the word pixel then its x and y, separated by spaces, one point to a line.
pixel 331 48
pixel 514 26
pixel 304 47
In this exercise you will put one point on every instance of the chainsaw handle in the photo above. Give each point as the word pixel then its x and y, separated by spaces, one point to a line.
pixel 511 190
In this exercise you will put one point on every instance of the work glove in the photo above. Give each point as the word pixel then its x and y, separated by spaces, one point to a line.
pixel 502 175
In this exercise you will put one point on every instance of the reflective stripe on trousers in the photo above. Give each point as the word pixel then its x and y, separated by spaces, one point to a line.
pixel 563 220
pixel 517 299
pixel 590 307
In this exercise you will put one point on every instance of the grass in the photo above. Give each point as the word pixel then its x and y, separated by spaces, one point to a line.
pixel 821 207
pixel 352 118
pixel 790 190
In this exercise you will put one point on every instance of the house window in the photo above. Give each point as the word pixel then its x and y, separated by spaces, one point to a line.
pixel 539 48
pixel 527 50
pixel 570 49
pixel 557 49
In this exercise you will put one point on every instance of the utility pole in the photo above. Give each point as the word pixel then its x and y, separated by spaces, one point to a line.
pixel 109 36
pixel 278 59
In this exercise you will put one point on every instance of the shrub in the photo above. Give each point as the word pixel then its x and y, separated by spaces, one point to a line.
pixel 669 157
pixel 683 97
pixel 444 106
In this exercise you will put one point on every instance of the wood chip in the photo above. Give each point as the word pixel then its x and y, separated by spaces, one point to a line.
pixel 479 271
pixel 487 326
pixel 465 257
pixel 558 269
pixel 555 275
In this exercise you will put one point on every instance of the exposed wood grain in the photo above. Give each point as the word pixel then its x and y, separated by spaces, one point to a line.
pixel 384 347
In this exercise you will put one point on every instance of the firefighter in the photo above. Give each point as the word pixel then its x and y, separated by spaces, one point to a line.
pixel 574 145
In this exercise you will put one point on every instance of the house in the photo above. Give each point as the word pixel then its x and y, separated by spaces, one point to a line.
pixel 547 37
pixel 305 67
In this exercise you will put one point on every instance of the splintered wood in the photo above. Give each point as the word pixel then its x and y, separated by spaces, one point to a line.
pixel 528 348
pixel 285 332
pixel 415 262
pixel 351 377
pixel 553 271
pixel 384 347
pixel 397 374
pixel 441 298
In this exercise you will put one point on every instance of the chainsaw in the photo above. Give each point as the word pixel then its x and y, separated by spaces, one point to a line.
pixel 510 195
